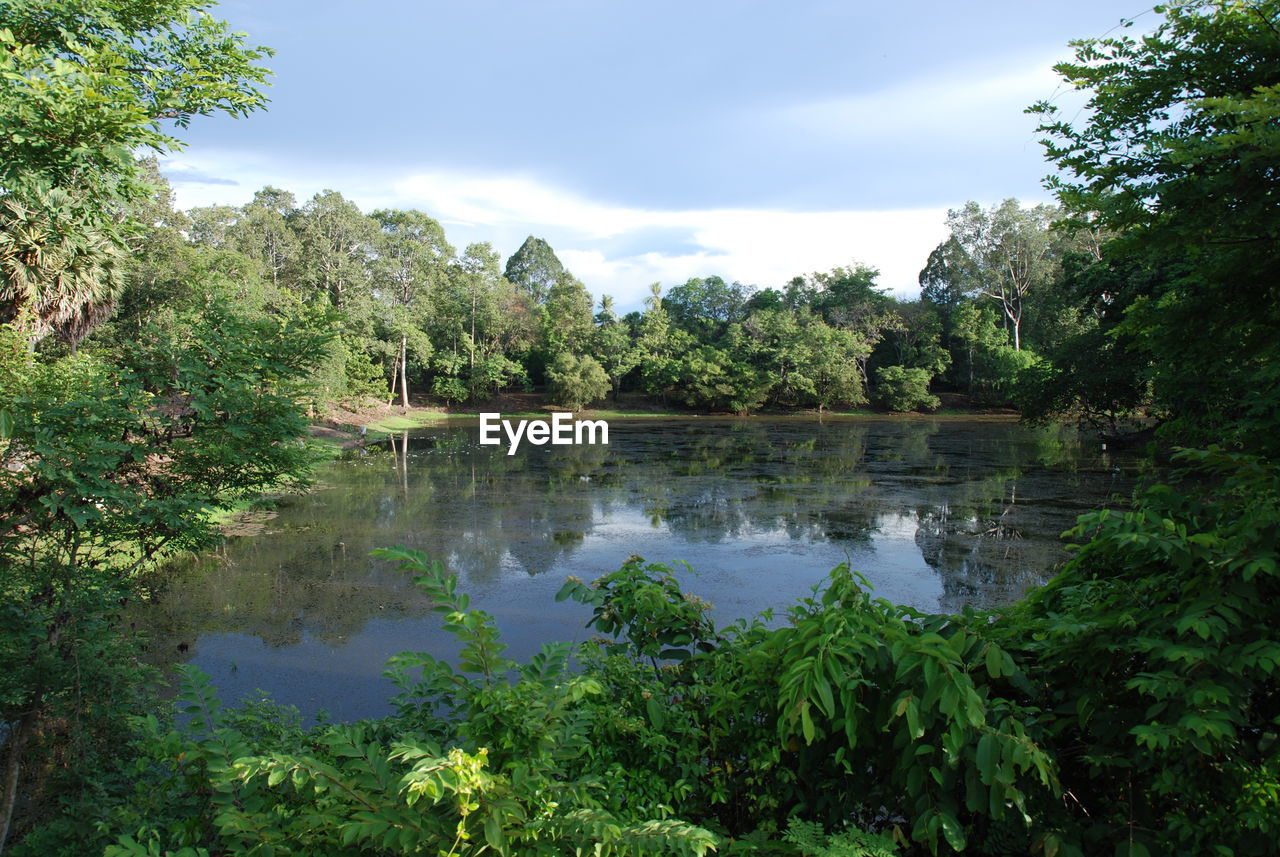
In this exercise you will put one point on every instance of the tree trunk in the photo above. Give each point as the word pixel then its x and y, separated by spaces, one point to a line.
pixel 395 379
pixel 9 795
pixel 404 372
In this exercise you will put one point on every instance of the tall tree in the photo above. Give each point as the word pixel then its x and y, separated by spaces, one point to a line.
pixel 263 231
pixel 567 316
pixel 947 279
pixel 705 307
pixel 337 242
pixel 535 268
pixel 1179 151
pixel 481 325
pixel 1011 250
pixel 849 299
pixel 410 264
pixel 612 346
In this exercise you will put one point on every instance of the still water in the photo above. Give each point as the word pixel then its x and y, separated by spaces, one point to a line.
pixel 937 513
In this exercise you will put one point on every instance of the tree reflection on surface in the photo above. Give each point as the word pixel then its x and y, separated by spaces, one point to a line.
pixel 936 513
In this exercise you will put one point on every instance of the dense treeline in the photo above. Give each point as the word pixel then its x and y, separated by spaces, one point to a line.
pixel 156 367
pixel 417 316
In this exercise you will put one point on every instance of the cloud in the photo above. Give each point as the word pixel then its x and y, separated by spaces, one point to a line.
pixel 960 107
pixel 756 246
pixel 179 173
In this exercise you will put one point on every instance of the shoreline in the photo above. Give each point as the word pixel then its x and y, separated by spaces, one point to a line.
pixel 344 429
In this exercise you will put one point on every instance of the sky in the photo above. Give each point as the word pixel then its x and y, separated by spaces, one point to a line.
pixel 656 141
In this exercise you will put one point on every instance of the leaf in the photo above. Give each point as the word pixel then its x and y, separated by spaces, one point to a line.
pixel 806 723
pixel 952 831
pixel 494 835
pixel 986 757
pixel 994 661
pixel 656 715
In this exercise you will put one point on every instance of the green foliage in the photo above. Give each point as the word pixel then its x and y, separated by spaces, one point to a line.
pixel 813 842
pixel 902 388
pixel 613 348
pixel 575 381
pixel 1005 254
pixel 106 470
pixel 644 603
pixel 534 268
pixel 567 318
pixel 705 307
pixel 710 378
pixel 74 109
pixel 1154 658
pixel 998 372
pixel 1177 154
pixel 450 389
pixel 496 777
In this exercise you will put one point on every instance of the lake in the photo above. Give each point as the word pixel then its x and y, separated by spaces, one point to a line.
pixel 935 512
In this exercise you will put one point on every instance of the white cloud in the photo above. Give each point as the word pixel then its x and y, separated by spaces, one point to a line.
pixel 959 106
pixel 755 246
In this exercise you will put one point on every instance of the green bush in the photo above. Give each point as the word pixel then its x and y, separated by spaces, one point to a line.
pixel 575 381
pixel 449 388
pixel 905 389
pixel 996 373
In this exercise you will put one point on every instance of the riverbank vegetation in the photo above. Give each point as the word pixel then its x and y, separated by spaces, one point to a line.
pixel 158 366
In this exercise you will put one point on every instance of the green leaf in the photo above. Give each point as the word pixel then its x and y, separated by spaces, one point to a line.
pixel 806 723
pixel 994 661
pixel 656 715
pixel 494 835
pixel 952 831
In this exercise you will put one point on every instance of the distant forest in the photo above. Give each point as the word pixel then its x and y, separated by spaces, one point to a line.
pixel 414 317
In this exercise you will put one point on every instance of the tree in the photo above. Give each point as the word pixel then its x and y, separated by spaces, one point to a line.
pixel 705 307
pixel 337 241
pixel 1011 251
pixel 1179 152
pixel 105 470
pixel 916 338
pixel 479 323
pixel 332 268
pixel 612 346
pixel 213 225
pixel 947 280
pixel 59 269
pixel 567 320
pixel 849 299
pixel 535 268
pixel 263 232
pixel 73 111
pixel 411 255
pixel 575 381
pixel 903 388
pixel 659 346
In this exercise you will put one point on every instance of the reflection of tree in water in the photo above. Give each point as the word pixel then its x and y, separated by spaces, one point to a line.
pixel 987 547
pixel 485 513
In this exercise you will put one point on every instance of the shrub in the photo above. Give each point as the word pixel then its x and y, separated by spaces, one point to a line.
pixel 575 381
pixel 904 389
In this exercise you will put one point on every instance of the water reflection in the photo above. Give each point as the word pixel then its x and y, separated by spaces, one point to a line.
pixel 936 512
